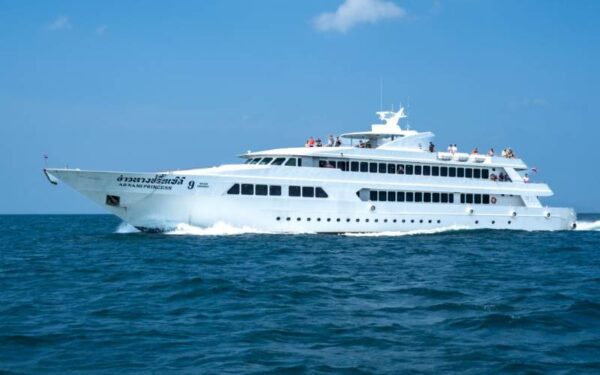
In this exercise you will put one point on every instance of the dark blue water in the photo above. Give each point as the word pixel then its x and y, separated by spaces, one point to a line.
pixel 76 296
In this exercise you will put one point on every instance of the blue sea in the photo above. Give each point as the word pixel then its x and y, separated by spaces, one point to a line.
pixel 87 294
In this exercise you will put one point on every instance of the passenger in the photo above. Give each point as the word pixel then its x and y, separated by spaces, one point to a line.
pixel 361 144
pixel 311 142
pixel 330 141
pixel 526 178
pixel 501 176
pixel 431 147
pixel 319 143
pixel 491 152
pixel 400 169
pixel 454 149
pixel 450 149
pixel 475 151
pixel 493 177
pixel 338 142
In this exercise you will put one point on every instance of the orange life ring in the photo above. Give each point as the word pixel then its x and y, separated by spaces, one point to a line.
pixel 493 200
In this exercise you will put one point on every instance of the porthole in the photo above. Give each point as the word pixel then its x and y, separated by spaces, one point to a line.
pixel 347 220
pixel 366 220
pixel 403 221
pixel 412 220
pixel 421 221
pixel 395 220
pixel 439 221
pixel 278 218
pixel 377 220
pixel 476 221
pixel 298 219
pixel 288 218
pixel 328 219
pixel 308 219
pixel 493 221
pixel 318 219
pixel 385 220
pixel 358 220
pixel 509 221
pixel 429 221
pixel 338 219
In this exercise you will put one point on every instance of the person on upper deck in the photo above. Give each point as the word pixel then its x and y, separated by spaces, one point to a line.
pixel 449 149
pixel 319 143
pixel 310 142
pixel 491 152
pixel 338 142
pixel 431 147
pixel 361 144
pixel 454 149
pixel 526 178
pixel 330 141
pixel 475 151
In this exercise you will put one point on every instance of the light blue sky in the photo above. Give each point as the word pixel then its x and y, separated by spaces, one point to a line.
pixel 144 86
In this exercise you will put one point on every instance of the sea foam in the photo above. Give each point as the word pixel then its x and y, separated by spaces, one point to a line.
pixel 588 225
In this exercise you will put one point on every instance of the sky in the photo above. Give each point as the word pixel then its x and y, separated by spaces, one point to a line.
pixel 155 85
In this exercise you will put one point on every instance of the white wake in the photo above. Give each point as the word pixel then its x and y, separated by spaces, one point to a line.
pixel 588 225
pixel 126 228
pixel 409 232
pixel 218 229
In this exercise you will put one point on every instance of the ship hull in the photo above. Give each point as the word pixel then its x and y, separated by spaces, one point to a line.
pixel 160 202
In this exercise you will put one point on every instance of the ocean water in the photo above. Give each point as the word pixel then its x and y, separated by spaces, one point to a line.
pixel 88 294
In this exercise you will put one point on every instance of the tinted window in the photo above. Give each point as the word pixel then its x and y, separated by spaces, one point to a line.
pixel 342 165
pixel 435 171
pixel 452 171
pixel 468 172
pixel 477 198
pixel 391 168
pixel 400 196
pixel 485 173
pixel 308 191
pixel 418 197
pixel 320 193
pixel 486 198
pixel 444 197
pixel 299 162
pixel 235 189
pixel 266 161
pixel 294 191
pixel 382 196
pixel 274 190
pixel 444 171
pixel 278 161
pixel 462 198
pixel 408 169
pixel 261 189
pixel 460 172
pixel 409 196
pixel 477 173
pixel 291 162
pixel 400 169
pixel 247 189
pixel 364 166
pixel 354 166
pixel 391 196
pixel 469 198
pixel 382 168
pixel 373 167
pixel 427 197
pixel 436 198
pixel 451 198
pixel 373 195
pixel 418 170
pixel 426 170
pixel 255 161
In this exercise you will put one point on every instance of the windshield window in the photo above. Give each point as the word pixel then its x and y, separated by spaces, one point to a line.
pixel 278 161
pixel 266 161
pixel 255 161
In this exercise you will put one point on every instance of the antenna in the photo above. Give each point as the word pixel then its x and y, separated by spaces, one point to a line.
pixel 380 93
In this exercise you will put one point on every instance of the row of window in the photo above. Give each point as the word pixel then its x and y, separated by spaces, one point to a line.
pixel 410 196
pixel 476 198
pixel 275 190
pixel 348 220
pixel 290 162
pixel 252 189
pixel 407 169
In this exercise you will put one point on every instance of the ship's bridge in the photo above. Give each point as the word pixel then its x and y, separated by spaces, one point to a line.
pixel 390 136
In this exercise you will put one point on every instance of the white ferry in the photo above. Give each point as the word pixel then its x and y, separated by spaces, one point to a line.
pixel 393 182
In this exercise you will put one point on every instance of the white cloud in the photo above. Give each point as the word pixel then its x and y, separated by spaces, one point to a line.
pixel 61 23
pixel 101 30
pixel 353 12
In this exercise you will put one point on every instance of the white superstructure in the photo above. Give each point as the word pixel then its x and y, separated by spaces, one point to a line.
pixel 392 183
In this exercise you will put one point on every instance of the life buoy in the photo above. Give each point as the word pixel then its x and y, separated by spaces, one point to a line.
pixel 493 200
